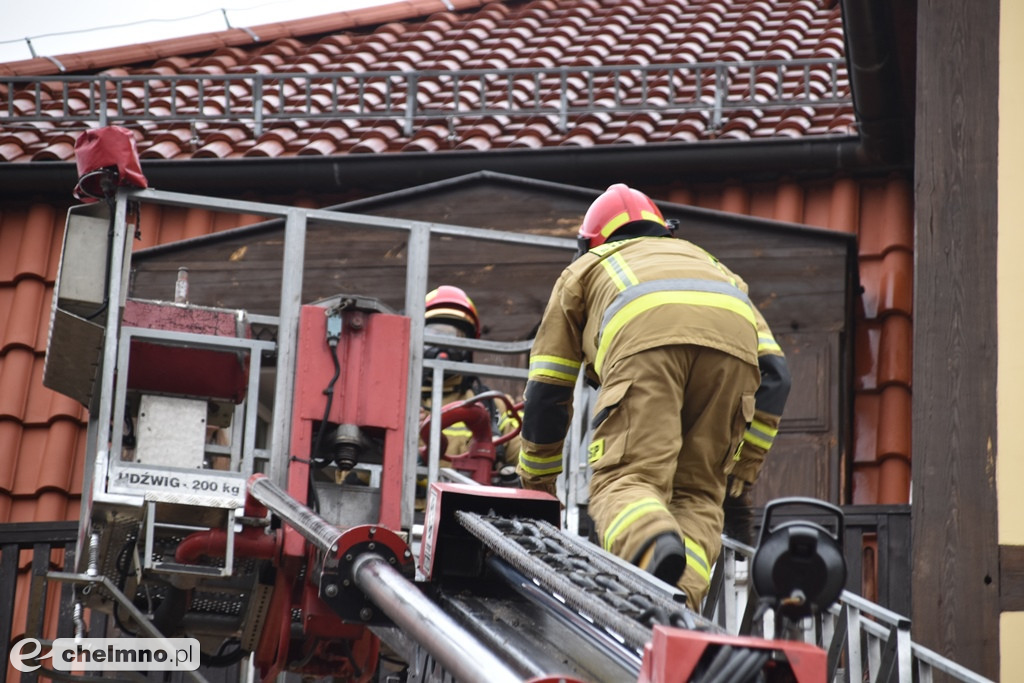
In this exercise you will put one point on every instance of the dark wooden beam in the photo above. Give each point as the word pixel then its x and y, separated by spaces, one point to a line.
pixel 1011 578
pixel 955 602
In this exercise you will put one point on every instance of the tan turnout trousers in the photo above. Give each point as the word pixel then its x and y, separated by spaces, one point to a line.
pixel 675 418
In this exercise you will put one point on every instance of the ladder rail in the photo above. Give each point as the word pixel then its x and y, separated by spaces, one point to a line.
pixel 868 638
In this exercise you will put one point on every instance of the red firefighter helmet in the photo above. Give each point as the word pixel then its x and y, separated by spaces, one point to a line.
pixel 452 305
pixel 619 205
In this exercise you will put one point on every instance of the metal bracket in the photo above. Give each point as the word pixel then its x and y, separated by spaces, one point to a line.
pixel 189 569
pixel 90 583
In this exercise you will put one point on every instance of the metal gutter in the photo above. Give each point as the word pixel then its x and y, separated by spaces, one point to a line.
pixel 883 105
pixel 595 166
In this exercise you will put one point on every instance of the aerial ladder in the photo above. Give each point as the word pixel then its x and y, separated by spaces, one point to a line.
pixel 294 542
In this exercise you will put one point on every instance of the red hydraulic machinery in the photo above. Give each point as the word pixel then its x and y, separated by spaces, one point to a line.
pixel 478 462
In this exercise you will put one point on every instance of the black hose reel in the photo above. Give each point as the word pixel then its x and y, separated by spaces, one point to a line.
pixel 799 566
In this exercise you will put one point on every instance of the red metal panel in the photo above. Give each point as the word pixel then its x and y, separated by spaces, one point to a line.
pixel 374 357
pixel 161 315
pixel 445 544
pixel 186 371
pixel 673 654
pixel 370 392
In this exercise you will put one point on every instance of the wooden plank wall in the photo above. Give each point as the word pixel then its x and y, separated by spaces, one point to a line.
pixel 955 554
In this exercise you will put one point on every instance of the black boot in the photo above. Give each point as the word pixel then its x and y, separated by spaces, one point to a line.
pixel 665 557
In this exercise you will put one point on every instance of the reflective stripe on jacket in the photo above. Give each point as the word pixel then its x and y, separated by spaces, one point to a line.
pixel 621 298
pixel 648 292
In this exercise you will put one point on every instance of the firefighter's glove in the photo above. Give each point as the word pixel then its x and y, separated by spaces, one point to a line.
pixel 739 511
pixel 547 486
pixel 534 483
pixel 743 475
pixel 506 476
pixel 736 487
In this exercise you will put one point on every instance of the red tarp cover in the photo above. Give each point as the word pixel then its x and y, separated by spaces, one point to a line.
pixel 102 148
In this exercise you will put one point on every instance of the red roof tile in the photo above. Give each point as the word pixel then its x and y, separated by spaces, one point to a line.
pixel 15 376
pixel 886 282
pixel 44 406
pixel 537 35
pixel 895 360
pixel 892 209
pixel 895 285
pixel 28 310
pixel 55 470
pixel 866 354
pixel 40 424
pixel 50 505
pixel 10 443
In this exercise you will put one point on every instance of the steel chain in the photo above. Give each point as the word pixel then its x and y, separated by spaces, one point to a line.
pixel 579 574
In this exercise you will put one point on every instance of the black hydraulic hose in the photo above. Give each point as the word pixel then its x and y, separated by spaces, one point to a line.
pixel 735 665
pixel 314 460
pixel 757 660
pixel 221 658
pixel 329 393
pixel 169 613
pixel 718 662
pixel 121 564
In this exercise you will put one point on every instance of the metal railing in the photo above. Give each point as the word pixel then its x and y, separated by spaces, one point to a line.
pixel 412 97
pixel 45 577
pixel 864 641
pixel 42 539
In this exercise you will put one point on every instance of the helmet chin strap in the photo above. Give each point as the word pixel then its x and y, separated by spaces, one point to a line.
pixel 582 246
pixel 630 230
pixel 452 384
